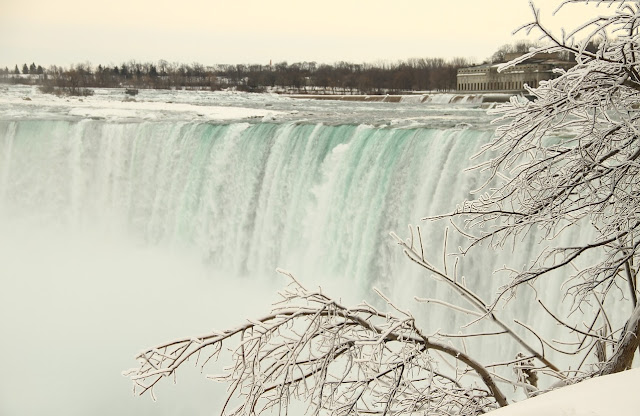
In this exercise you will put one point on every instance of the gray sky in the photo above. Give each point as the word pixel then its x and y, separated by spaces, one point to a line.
pixel 255 31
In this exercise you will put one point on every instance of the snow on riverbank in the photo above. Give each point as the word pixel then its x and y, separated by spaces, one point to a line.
pixel 613 395
pixel 21 101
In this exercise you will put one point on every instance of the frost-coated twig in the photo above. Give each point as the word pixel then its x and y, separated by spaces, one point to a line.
pixel 483 310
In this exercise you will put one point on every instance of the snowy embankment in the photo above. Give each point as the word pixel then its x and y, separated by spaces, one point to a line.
pixel 114 105
pixel 435 98
pixel 613 395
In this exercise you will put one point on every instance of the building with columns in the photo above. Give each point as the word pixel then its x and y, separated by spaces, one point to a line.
pixel 486 78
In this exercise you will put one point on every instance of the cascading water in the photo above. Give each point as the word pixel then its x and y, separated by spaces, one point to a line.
pixel 123 233
pixel 319 200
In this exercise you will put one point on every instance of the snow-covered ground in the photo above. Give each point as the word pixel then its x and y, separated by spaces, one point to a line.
pixel 18 101
pixel 613 395
pixel 113 104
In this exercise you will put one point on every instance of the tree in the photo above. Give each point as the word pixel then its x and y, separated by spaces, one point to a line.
pixel 124 71
pixel 163 65
pixel 567 159
pixel 16 70
pixel 522 47
pixel 590 179
pixel 153 72
pixel 25 69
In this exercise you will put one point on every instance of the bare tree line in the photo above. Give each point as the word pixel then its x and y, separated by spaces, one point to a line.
pixel 416 74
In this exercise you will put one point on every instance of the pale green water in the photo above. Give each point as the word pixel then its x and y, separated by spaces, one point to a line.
pixel 316 199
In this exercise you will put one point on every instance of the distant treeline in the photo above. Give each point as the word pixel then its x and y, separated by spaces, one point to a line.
pixel 420 74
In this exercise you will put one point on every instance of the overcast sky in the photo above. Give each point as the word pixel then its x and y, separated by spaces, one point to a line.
pixel 256 31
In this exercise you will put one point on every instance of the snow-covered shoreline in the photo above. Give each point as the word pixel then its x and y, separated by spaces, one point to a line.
pixel 429 98
pixel 113 104
pixel 612 395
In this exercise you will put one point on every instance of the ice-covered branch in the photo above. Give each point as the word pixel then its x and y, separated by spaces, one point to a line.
pixel 340 359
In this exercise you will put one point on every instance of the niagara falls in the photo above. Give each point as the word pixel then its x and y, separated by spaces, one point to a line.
pixel 112 216
pixel 337 209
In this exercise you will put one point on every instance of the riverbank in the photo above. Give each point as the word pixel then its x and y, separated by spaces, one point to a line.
pixel 437 98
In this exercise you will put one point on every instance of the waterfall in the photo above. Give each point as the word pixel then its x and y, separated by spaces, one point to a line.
pixel 121 232
pixel 315 199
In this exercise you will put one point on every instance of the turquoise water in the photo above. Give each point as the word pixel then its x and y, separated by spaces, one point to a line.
pixel 317 199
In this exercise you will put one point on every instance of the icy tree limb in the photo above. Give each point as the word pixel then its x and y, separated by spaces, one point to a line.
pixel 311 345
pixel 627 346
